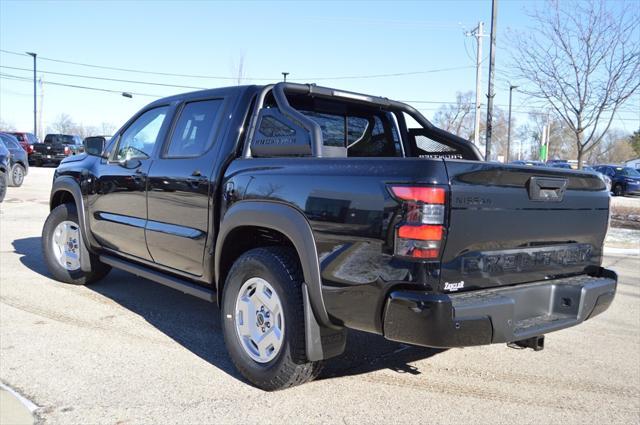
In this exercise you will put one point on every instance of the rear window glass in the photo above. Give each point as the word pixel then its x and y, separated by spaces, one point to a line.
pixel 60 138
pixel 362 136
pixel 19 136
pixel 193 134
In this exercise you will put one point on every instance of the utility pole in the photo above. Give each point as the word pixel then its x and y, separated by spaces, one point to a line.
pixel 284 74
pixel 492 72
pixel 478 33
pixel 509 123
pixel 35 104
pixel 40 124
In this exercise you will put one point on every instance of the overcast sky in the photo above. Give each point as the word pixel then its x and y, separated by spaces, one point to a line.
pixel 314 42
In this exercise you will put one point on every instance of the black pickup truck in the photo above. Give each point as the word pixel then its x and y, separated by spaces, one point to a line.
pixel 55 148
pixel 303 211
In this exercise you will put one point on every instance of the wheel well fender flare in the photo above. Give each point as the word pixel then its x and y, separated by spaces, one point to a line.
pixel 291 223
pixel 68 185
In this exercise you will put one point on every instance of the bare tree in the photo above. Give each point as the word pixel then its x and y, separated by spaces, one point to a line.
pixel 107 128
pixel 561 144
pixel 6 126
pixel 63 124
pixel 239 69
pixel 583 59
pixel 614 148
pixel 457 118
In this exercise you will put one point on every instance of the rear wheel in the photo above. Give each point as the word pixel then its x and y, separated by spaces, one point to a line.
pixel 617 190
pixel 3 185
pixel 263 319
pixel 16 175
pixel 63 250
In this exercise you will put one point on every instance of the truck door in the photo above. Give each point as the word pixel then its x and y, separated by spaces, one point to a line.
pixel 118 212
pixel 180 188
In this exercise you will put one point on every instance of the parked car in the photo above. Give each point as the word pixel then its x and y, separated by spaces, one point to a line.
pixel 4 170
pixel 559 164
pixel 604 177
pixel 624 180
pixel 27 140
pixel 18 163
pixel 55 148
pixel 304 211
pixel 531 163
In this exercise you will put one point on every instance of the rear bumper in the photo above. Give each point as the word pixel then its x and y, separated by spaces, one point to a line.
pixel 37 156
pixel 499 314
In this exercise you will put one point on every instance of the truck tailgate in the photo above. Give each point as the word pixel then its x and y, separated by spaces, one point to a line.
pixel 516 224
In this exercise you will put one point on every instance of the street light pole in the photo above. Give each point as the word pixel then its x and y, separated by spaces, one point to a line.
pixel 35 104
pixel 511 88
pixel 284 74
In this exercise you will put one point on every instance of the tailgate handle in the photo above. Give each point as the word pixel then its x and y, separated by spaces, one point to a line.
pixel 546 189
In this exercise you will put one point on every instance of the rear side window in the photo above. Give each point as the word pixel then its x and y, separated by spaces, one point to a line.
pixel 194 132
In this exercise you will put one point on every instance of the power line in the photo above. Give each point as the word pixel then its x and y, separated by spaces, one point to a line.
pixel 166 74
pixel 522 109
pixel 53 83
pixel 106 79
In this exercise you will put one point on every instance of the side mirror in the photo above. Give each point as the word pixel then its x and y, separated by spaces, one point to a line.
pixel 94 145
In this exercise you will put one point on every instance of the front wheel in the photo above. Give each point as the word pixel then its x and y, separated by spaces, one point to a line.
pixel 617 190
pixel 63 251
pixel 263 319
pixel 3 185
pixel 16 175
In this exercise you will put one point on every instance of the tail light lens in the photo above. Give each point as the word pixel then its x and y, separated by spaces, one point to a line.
pixel 421 232
pixel 29 148
pixel 67 151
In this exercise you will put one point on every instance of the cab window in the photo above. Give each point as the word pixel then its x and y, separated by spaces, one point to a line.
pixel 139 138
pixel 194 131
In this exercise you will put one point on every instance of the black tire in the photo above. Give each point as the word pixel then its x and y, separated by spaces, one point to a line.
pixel 3 185
pixel 280 267
pixel 16 175
pixel 617 190
pixel 67 212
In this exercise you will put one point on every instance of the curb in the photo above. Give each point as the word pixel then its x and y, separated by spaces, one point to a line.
pixel 28 406
pixel 622 251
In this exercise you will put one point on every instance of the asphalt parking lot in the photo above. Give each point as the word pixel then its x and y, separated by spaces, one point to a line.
pixel 129 351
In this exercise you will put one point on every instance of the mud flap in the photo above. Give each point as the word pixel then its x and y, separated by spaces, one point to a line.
pixel 321 342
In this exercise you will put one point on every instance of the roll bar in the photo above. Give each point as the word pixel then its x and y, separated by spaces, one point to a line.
pixel 280 90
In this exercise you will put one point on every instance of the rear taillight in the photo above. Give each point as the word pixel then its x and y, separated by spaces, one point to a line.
pixel 29 148
pixel 420 233
pixel 67 151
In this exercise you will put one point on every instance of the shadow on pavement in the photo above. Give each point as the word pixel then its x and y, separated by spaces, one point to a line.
pixel 30 250
pixel 195 324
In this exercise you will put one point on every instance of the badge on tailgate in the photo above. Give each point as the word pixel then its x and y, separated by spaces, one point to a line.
pixel 546 189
